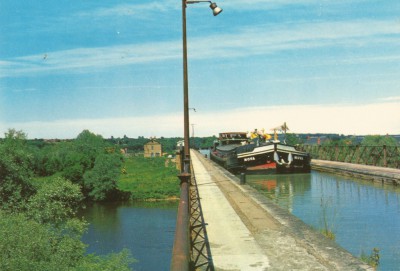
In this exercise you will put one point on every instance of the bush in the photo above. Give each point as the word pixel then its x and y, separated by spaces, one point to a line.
pixel 15 172
pixel 101 181
pixel 26 245
pixel 55 202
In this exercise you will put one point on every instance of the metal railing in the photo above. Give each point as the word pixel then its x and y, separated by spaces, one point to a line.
pixel 199 245
pixel 382 156
pixel 191 249
pixel 181 250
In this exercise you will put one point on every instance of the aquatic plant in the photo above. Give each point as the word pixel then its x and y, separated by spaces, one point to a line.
pixel 327 221
pixel 372 259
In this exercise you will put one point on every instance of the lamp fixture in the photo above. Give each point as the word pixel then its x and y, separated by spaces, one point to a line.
pixel 216 10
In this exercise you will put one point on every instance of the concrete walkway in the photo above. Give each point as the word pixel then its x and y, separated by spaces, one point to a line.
pixel 232 245
pixel 247 232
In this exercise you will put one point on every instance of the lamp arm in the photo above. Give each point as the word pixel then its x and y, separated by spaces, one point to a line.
pixel 196 1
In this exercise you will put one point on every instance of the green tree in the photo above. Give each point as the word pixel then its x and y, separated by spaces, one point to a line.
pixel 377 140
pixel 90 145
pixel 39 231
pixel 55 202
pixel 101 181
pixel 292 139
pixel 15 171
pixel 27 245
pixel 74 172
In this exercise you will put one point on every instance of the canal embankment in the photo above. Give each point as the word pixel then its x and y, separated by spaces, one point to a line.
pixel 247 231
pixel 372 173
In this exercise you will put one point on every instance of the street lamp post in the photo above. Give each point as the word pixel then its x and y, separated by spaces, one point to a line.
pixel 181 250
pixel 216 10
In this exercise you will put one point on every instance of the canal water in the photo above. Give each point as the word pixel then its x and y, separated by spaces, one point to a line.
pixel 362 215
pixel 146 229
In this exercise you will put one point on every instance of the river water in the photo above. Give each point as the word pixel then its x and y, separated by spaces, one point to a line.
pixel 362 215
pixel 146 229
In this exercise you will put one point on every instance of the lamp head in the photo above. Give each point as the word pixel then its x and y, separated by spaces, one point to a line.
pixel 216 10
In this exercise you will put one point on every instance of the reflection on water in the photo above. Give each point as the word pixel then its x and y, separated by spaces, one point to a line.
pixel 363 215
pixel 146 229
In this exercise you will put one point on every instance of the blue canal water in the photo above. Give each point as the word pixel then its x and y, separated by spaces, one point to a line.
pixel 362 215
pixel 147 230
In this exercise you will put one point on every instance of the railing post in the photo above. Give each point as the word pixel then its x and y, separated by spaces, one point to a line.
pixel 242 178
pixel 360 152
pixel 336 153
pixel 384 156
pixel 181 250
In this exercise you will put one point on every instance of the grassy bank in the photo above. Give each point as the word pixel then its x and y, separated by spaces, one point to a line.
pixel 149 178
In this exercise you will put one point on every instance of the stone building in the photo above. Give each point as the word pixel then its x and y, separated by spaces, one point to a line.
pixel 152 149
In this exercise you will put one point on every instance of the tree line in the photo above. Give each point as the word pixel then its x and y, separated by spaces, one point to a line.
pixel 135 145
pixel 39 229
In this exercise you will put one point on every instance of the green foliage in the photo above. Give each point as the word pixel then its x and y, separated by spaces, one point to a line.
pixel 15 172
pixel 292 139
pixel 372 259
pixel 15 136
pixel 50 158
pixel 72 157
pixel 377 140
pixel 27 245
pixel 88 161
pixel 329 234
pixel 327 219
pixel 74 173
pixel 111 262
pixel 55 202
pixel 102 179
pixel 168 144
pixel 39 231
pixel 90 145
pixel 337 141
pixel 150 178
pixel 202 142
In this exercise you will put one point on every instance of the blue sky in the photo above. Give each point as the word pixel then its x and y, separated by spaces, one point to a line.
pixel 115 67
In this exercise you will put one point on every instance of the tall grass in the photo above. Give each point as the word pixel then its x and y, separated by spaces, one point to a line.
pixel 327 219
pixel 373 259
pixel 149 178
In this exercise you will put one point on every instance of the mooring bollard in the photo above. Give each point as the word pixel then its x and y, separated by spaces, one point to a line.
pixel 242 178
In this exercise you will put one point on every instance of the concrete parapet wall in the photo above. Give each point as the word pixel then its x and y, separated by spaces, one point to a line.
pixel 371 173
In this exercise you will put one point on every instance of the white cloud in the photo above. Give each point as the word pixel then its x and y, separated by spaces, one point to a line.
pixel 377 118
pixel 78 59
pixel 141 10
pixel 393 98
pixel 258 40
pixel 267 39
